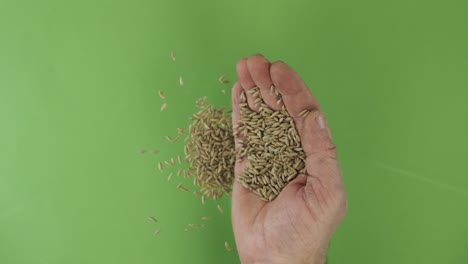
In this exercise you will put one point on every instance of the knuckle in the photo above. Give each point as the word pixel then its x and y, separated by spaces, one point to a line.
pixel 331 151
pixel 341 202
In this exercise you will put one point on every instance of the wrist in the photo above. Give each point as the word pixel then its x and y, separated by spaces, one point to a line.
pixel 323 261
pixel 308 260
pixel 305 255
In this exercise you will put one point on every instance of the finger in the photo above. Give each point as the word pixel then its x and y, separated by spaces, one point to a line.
pixel 259 69
pixel 236 93
pixel 245 203
pixel 295 94
pixel 246 82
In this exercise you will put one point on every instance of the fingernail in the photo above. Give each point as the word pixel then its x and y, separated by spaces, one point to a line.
pixel 321 121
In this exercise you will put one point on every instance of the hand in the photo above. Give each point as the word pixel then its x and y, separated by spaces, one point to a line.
pixel 297 226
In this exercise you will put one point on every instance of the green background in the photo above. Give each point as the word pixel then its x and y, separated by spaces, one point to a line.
pixel 78 101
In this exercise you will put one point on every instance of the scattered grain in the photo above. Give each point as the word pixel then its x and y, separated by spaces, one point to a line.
pixel 222 79
pixel 220 209
pixel 182 188
pixel 228 248
pixel 161 95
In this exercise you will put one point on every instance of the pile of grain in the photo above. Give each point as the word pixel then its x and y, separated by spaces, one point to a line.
pixel 210 150
pixel 269 141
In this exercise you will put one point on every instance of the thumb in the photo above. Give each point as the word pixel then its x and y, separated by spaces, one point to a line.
pixel 321 160
pixel 324 189
pixel 316 136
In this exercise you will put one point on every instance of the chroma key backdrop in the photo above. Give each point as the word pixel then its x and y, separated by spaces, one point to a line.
pixel 89 91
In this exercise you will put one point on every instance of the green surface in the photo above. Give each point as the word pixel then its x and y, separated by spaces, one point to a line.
pixel 78 101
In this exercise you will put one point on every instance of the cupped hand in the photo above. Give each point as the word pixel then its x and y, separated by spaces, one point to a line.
pixel 297 226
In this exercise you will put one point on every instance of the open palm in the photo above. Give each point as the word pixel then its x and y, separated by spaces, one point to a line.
pixel 297 226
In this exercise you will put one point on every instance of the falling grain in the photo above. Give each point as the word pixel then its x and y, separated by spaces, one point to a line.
pixel 155 151
pixel 171 139
pixel 152 219
pixel 210 151
pixel 205 218
pixel 222 79
pixel 157 231
pixel 220 209
pixel 169 177
pixel 228 248
pixel 182 188
pixel 160 166
pixel 173 57
pixel 181 81
pixel 143 151
pixel 161 95
pixel 163 106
